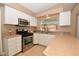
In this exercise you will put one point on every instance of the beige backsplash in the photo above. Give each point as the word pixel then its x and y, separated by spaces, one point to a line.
pixel 12 28
pixel 8 28
pixel 64 28
pixel 31 29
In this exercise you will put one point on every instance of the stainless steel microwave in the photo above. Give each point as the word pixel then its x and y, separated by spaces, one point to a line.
pixel 22 22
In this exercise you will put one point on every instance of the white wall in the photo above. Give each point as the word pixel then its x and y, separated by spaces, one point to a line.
pixel 78 27
pixel 0 34
pixel 1 27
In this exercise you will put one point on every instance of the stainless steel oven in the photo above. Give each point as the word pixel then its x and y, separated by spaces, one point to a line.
pixel 27 39
pixel 27 42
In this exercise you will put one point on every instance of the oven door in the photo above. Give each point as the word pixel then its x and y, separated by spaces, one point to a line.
pixel 27 40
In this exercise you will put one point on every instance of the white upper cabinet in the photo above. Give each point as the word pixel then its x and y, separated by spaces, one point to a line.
pixel 21 15
pixel 65 18
pixel 11 16
pixel 33 21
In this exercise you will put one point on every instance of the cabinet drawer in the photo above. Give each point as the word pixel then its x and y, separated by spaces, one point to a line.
pixel 19 37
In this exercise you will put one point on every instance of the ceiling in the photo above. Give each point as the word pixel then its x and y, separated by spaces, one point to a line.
pixel 43 9
pixel 38 7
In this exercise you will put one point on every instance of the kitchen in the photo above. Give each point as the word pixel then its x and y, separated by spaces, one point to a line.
pixel 27 34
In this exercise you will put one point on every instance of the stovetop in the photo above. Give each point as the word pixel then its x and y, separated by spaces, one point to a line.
pixel 24 33
pixel 27 34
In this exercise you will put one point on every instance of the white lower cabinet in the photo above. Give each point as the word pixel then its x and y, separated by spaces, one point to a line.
pixel 42 39
pixel 12 45
pixel 18 45
pixel 35 39
pixel 48 39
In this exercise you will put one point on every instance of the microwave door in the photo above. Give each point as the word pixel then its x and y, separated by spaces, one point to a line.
pixel 22 22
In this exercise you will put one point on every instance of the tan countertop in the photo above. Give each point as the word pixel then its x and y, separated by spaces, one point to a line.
pixel 63 45
pixel 51 32
pixel 11 36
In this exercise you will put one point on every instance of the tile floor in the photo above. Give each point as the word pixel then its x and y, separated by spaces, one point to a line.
pixel 37 50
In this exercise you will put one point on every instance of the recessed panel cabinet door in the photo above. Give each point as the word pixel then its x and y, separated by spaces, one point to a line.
pixel 49 39
pixel 11 16
pixel 14 45
pixel 41 39
pixel 44 40
pixel 33 21
pixel 65 18
pixel 11 46
pixel 35 38
pixel 18 44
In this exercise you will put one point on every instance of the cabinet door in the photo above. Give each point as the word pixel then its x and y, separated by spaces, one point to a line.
pixel 41 39
pixel 44 39
pixel 35 38
pixel 22 15
pixel 65 18
pixel 18 14
pixel 33 21
pixel 10 16
pixel 47 38
pixel 12 46
pixel 18 44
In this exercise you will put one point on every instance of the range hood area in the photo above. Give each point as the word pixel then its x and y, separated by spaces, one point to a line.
pixel 23 22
